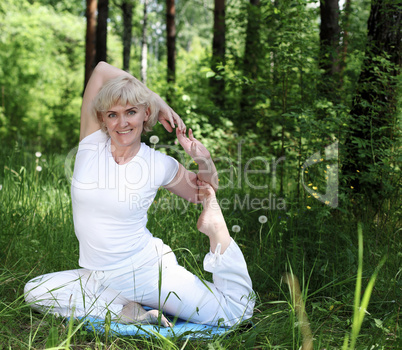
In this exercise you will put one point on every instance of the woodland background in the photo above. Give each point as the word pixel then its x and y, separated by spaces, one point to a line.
pixel 256 80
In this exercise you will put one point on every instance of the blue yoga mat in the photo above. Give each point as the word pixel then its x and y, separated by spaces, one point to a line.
pixel 181 329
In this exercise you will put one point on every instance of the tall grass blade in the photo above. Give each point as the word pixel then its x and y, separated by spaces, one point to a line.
pixel 360 308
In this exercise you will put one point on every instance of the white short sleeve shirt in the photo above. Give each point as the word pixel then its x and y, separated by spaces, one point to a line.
pixel 110 201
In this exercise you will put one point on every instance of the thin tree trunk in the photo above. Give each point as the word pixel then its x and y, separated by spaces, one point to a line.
pixel 250 61
pixel 329 47
pixel 127 9
pixel 218 52
pixel 171 40
pixel 345 37
pixel 144 45
pixel 251 51
pixel 101 31
pixel 90 39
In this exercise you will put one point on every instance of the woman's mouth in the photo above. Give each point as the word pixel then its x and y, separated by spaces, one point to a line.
pixel 124 132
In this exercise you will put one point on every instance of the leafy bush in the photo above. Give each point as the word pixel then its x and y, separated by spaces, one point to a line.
pixel 41 72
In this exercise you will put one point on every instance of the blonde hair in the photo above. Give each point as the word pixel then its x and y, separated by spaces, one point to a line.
pixel 125 90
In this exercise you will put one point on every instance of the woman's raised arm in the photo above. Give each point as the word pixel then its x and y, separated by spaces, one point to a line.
pixel 101 74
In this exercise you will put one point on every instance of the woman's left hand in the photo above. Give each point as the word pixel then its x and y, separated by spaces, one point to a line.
pixel 168 118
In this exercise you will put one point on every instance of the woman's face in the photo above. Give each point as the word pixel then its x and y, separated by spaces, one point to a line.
pixel 125 123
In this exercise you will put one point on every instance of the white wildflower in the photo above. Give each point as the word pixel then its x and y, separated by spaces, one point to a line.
pixel 38 154
pixel 154 139
pixel 236 228
pixel 262 219
pixel 38 168
pixel 1 187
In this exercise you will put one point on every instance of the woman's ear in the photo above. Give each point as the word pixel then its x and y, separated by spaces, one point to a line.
pixel 101 120
pixel 147 113
pixel 99 115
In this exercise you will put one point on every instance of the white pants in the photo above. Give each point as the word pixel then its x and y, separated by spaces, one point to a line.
pixel 160 285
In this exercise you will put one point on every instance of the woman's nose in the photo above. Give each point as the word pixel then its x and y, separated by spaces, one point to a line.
pixel 123 121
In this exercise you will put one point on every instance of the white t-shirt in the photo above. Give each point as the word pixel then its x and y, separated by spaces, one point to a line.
pixel 110 201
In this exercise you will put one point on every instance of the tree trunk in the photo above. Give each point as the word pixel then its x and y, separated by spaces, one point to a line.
pixel 127 9
pixel 90 39
pixel 345 37
pixel 218 53
pixel 250 59
pixel 329 48
pixel 373 112
pixel 171 40
pixel 101 31
pixel 144 45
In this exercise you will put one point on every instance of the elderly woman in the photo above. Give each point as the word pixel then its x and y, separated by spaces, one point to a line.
pixel 116 177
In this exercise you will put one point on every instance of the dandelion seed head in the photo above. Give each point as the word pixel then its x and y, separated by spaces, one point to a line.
pixel 1 187
pixel 38 154
pixel 38 168
pixel 154 139
pixel 236 228
pixel 262 219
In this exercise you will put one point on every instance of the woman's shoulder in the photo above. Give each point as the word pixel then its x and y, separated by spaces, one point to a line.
pixel 153 153
pixel 96 137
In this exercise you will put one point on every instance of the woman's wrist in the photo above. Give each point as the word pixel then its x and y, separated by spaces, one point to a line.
pixel 204 161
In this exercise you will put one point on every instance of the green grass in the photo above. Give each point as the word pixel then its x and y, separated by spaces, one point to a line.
pixel 318 245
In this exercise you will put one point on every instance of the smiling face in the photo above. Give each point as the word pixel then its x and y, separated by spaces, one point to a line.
pixel 125 91
pixel 125 124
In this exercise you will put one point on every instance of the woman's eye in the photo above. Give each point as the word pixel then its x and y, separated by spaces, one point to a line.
pixel 131 112
pixel 111 115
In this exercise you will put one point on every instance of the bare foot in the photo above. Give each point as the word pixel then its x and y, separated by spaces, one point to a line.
pixel 134 313
pixel 211 221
